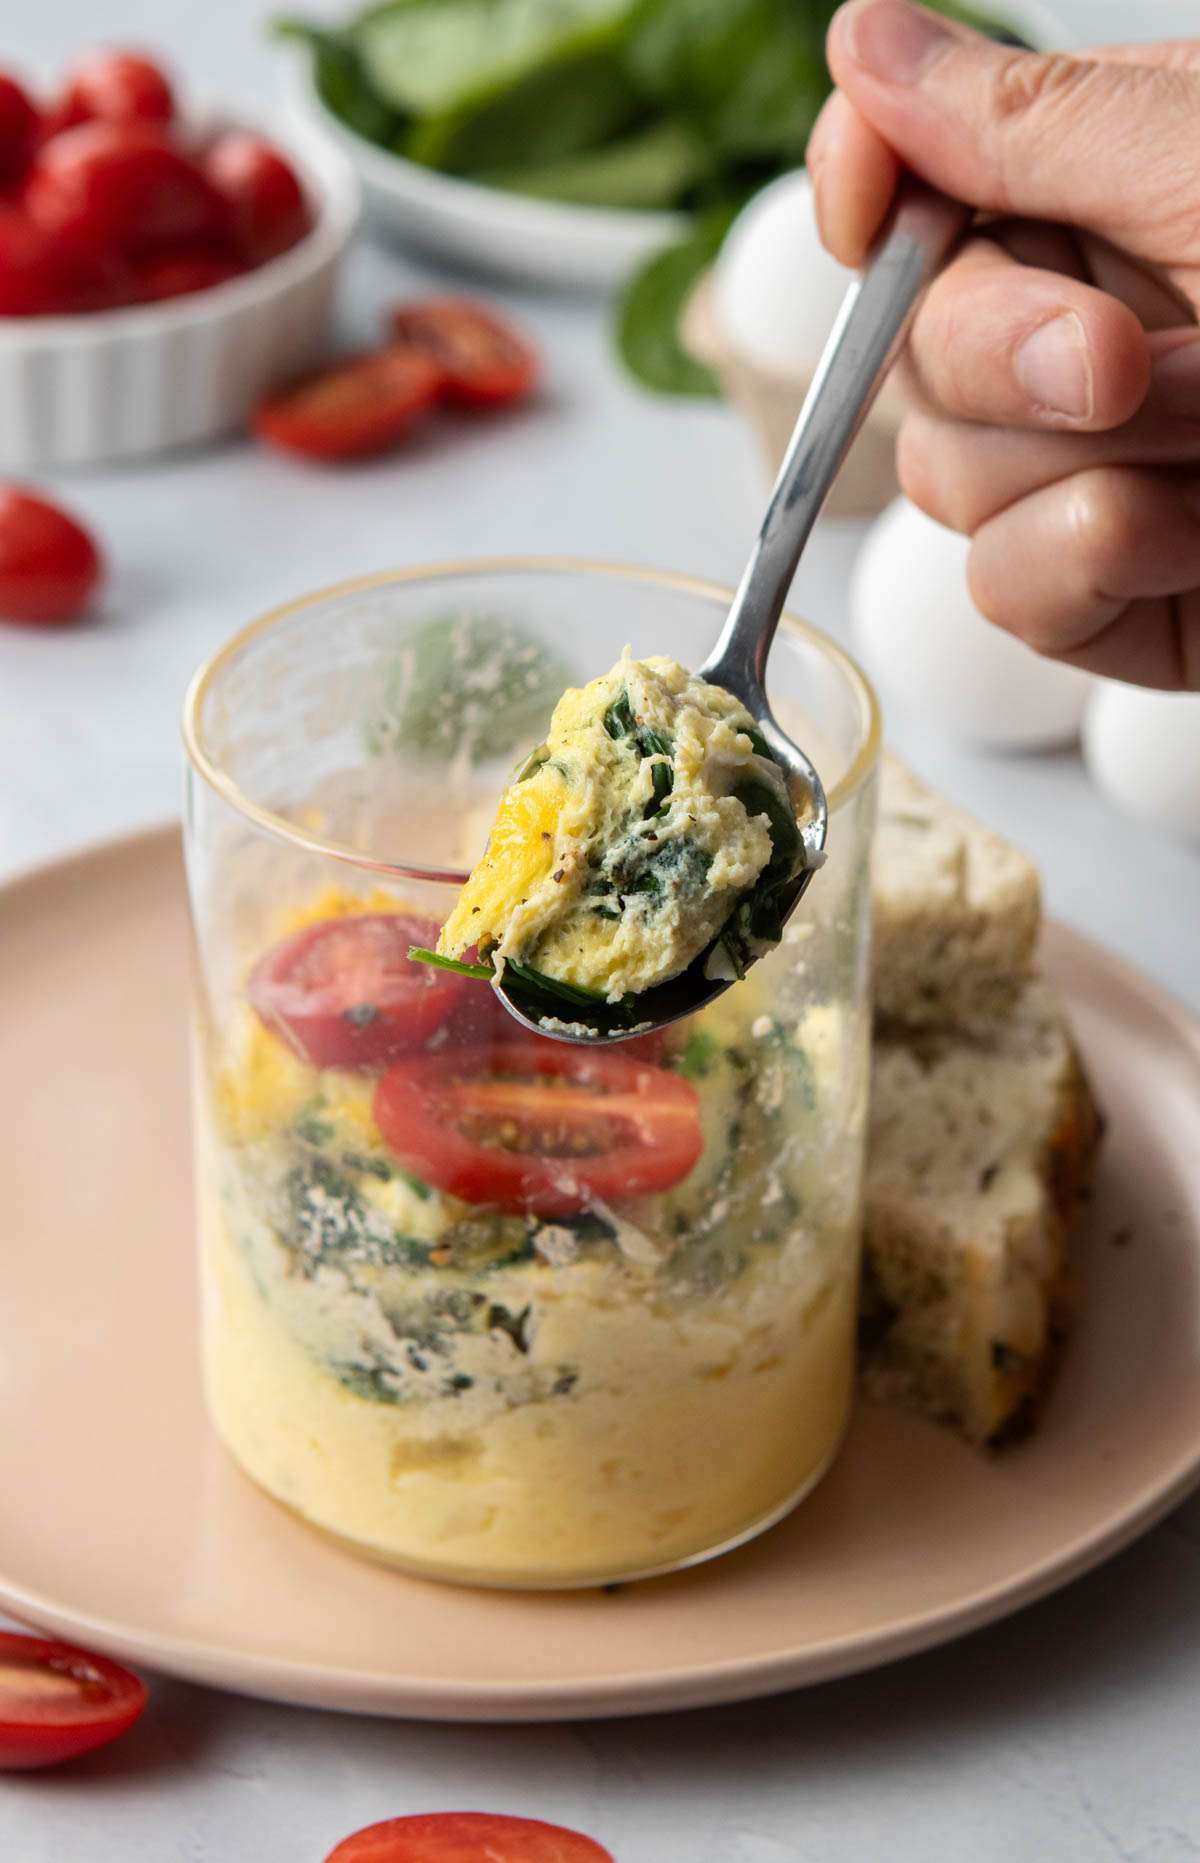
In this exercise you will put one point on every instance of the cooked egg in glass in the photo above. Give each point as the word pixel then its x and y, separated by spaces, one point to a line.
pixel 487 1306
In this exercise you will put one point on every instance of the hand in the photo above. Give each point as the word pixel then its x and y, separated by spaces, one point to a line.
pixel 1054 367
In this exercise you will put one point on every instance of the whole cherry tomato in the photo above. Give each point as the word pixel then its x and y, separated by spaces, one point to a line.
pixel 176 271
pixel 267 210
pixel 18 129
pixel 115 87
pixel 124 187
pixel 43 272
pixel 49 566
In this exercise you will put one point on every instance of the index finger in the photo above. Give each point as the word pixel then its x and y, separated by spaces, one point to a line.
pixel 853 173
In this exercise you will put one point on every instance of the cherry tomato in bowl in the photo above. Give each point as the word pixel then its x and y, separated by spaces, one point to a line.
pixel 467 1837
pixel 361 405
pixel 123 186
pixel 115 87
pixel 343 993
pixel 484 363
pixel 176 271
pixel 267 210
pixel 49 566
pixel 540 1128
pixel 57 1701
pixel 44 273
pixel 19 129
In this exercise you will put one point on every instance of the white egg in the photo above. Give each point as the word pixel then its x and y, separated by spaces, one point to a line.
pixel 932 654
pixel 776 289
pixel 1143 750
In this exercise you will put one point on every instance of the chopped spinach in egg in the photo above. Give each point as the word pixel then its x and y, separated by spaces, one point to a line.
pixel 652 830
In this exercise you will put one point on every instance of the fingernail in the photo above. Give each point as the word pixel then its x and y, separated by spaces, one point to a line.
pixel 1055 369
pixel 896 42
pixel 1177 380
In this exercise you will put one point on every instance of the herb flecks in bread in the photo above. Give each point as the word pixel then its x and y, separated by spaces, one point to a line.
pixel 980 1146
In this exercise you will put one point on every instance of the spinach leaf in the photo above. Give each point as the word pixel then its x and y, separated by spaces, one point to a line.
pixel 552 986
pixel 651 306
pixel 580 98
pixel 341 81
pixel 654 166
pixel 417 954
pixel 750 73
pixel 619 720
pixel 429 57
pixel 698 1056
pixel 663 778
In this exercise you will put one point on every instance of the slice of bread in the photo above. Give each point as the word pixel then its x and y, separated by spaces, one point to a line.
pixel 979 1149
pixel 956 909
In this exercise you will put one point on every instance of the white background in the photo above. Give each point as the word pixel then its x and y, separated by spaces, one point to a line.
pixel 1069 1733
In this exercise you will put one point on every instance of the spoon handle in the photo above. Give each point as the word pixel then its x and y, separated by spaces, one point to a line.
pixel 864 342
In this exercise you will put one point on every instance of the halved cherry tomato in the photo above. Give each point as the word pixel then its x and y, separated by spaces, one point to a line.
pixel 484 362
pixel 49 566
pixel 358 406
pixel 343 993
pixel 18 129
pixel 467 1837
pixel 43 272
pixel 267 209
pixel 57 1701
pixel 177 270
pixel 115 87
pixel 539 1127
pixel 123 186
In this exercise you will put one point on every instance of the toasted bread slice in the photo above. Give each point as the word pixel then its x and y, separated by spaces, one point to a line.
pixel 956 909
pixel 980 1145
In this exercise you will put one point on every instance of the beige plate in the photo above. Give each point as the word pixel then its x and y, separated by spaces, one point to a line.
pixel 124 1525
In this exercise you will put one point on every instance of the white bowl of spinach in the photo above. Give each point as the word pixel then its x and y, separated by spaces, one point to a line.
pixel 576 141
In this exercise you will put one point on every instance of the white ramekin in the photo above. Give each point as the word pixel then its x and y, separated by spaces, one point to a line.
pixel 121 384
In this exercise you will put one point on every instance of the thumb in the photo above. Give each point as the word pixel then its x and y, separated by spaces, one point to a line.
pixel 1096 143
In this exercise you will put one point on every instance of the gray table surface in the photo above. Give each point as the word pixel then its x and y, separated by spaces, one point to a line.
pixel 1069 1732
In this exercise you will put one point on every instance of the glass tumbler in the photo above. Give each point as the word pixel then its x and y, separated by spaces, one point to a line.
pixel 536 1388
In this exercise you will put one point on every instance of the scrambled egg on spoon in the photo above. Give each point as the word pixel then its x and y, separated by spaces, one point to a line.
pixel 653 826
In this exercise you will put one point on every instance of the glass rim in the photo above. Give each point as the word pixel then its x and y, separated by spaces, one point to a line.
pixel 280 828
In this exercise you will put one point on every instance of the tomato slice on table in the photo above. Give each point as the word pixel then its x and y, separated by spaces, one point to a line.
pixel 115 87
pixel 49 566
pixel 343 992
pixel 467 1837
pixel 358 406
pixel 539 1127
pixel 484 363
pixel 57 1701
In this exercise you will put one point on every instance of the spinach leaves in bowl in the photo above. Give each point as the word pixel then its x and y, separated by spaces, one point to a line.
pixel 689 105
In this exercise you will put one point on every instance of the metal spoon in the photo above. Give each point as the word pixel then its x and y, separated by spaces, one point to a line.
pixel 865 340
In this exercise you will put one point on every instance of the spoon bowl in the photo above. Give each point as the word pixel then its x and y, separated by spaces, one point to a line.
pixel 870 328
